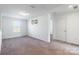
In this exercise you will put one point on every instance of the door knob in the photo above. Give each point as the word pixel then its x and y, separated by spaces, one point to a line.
pixel 65 31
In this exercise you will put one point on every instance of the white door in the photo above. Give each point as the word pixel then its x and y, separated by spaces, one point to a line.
pixel 60 24
pixel 73 28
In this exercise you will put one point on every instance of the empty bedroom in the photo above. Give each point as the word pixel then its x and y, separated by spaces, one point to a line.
pixel 39 29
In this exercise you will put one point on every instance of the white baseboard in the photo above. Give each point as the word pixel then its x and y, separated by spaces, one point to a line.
pixel 38 39
pixel 14 37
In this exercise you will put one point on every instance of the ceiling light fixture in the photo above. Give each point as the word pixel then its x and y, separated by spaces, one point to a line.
pixel 70 6
pixel 24 14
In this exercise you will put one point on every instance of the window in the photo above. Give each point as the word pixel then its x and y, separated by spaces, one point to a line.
pixel 16 26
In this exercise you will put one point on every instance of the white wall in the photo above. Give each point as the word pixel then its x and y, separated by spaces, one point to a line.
pixel 72 26
pixel 53 28
pixel 40 30
pixel 0 40
pixel 7 27
pixel 0 34
pixel 51 19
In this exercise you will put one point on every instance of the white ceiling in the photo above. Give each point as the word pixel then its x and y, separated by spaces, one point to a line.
pixel 35 10
pixel 65 8
pixel 14 9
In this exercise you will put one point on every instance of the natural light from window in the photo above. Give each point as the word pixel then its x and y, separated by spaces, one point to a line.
pixel 16 26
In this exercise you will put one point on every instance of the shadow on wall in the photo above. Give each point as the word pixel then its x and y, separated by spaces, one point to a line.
pixel 0 40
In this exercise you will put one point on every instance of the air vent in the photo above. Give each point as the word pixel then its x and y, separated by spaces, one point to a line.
pixel 75 7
